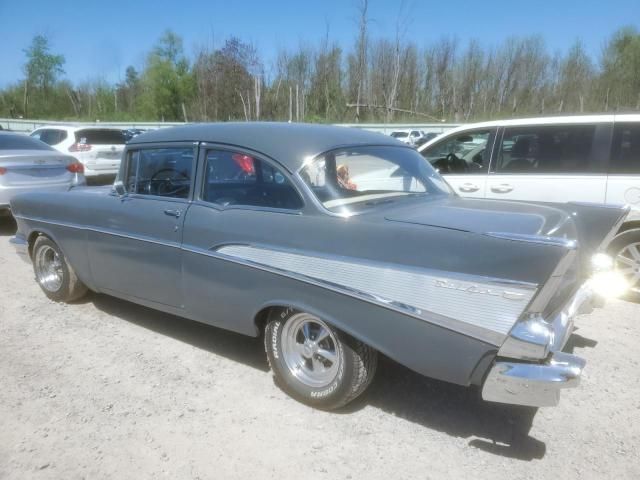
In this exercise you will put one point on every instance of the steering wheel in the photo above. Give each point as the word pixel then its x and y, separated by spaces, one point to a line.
pixel 456 164
pixel 165 186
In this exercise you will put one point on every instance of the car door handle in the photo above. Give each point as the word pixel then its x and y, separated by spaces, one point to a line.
pixel 502 188
pixel 172 213
pixel 468 187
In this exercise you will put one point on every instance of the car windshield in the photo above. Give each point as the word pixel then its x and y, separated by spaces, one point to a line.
pixel 357 178
pixel 16 141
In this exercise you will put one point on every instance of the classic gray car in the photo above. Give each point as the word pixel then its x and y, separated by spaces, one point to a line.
pixel 335 245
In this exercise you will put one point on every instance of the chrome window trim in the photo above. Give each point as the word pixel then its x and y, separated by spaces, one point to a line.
pixel 541 239
pixel 311 158
pixel 291 177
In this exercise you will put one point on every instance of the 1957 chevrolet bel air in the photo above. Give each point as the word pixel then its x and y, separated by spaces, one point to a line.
pixel 334 244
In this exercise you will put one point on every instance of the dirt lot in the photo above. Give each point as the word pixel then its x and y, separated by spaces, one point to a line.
pixel 107 389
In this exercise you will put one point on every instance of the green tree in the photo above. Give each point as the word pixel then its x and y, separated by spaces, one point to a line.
pixel 41 70
pixel 167 82
pixel 620 79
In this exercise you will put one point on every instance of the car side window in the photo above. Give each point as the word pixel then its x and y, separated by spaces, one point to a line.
pixel 464 153
pixel 560 149
pixel 234 178
pixel 625 149
pixel 163 172
pixel 50 136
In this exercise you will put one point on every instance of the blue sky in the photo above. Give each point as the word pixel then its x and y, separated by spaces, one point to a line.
pixel 100 38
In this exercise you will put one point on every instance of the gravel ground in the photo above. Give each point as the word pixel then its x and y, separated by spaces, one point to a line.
pixel 107 389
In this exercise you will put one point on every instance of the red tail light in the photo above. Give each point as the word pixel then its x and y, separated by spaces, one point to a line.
pixel 80 147
pixel 3 170
pixel 75 167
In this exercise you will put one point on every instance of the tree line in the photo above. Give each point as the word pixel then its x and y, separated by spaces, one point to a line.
pixel 376 79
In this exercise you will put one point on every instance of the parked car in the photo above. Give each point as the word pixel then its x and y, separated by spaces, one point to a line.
pixel 425 138
pixel 27 164
pixel 410 137
pixel 261 228
pixel 592 158
pixel 99 149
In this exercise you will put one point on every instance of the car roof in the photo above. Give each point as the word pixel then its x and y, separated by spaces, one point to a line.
pixel 552 120
pixel 289 143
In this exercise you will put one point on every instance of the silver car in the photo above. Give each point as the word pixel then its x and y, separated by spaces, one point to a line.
pixel 27 164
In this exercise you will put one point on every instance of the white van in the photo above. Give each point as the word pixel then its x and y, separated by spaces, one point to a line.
pixel 591 158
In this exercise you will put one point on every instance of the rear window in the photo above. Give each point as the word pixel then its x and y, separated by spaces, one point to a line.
pixel 100 137
pixel 625 149
pixel 10 141
pixel 399 134
pixel 551 149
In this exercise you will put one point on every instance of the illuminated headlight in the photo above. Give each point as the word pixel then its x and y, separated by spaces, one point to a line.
pixel 601 262
pixel 609 284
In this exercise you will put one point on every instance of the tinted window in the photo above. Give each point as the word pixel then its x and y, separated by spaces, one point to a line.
pixel 233 178
pixel 100 137
pixel 548 149
pixel 465 153
pixel 165 172
pixel 12 141
pixel 625 153
pixel 50 136
pixel 363 177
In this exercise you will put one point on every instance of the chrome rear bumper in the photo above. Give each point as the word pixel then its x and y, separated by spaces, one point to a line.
pixel 516 379
pixel 536 385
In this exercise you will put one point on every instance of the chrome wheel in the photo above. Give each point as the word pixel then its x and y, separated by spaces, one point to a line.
pixel 628 264
pixel 310 350
pixel 48 267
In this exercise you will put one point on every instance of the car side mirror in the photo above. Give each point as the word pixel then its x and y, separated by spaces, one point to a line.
pixel 118 187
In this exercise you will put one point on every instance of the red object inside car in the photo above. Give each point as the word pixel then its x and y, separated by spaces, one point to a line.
pixel 245 162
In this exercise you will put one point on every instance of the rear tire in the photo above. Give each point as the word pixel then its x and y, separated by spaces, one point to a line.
pixel 625 251
pixel 54 274
pixel 315 363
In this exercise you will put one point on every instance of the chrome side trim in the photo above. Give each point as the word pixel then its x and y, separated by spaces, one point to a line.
pixel 542 239
pixel 457 304
pixel 76 226
pixel 533 384
pixel 479 291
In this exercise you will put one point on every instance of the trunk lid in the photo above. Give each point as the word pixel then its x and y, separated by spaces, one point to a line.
pixel 35 167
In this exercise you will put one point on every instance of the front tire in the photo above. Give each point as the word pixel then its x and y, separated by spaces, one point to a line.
pixel 625 250
pixel 54 274
pixel 316 363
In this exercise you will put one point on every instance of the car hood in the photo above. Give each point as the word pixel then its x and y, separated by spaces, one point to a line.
pixel 487 216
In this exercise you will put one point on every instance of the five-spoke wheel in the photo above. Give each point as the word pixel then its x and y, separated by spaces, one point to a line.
pixel 316 363
pixel 54 274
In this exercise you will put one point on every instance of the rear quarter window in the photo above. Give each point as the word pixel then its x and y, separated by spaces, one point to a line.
pixel 100 137
pixel 625 149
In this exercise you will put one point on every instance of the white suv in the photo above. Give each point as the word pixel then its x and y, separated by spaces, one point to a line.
pixel 592 159
pixel 99 149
